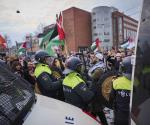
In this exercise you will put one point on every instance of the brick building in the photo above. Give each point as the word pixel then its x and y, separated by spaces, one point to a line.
pixel 77 27
pixel 124 27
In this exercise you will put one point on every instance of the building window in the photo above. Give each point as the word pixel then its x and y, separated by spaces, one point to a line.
pixel 94 27
pixel 99 25
pixel 120 25
pixel 82 49
pixel 120 29
pixel 95 34
pixel 94 20
pixel 94 13
pixel 115 28
pixel 107 25
pixel 128 33
pixel 106 19
pixel 125 34
pixel 106 40
pixel 106 33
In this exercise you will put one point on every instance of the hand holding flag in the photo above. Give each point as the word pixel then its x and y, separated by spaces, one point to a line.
pixel 96 45
pixel 22 48
pixel 98 42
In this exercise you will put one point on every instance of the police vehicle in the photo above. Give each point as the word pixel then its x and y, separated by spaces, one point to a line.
pixel 19 105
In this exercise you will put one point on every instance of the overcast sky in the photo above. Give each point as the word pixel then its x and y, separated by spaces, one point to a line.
pixel 35 12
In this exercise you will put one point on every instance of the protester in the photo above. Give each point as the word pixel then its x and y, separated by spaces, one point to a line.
pixel 80 75
pixel 29 74
pixel 96 70
pixel 57 68
pixel 118 59
pixel 17 68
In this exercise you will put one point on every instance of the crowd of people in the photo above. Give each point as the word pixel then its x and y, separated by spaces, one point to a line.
pixel 74 79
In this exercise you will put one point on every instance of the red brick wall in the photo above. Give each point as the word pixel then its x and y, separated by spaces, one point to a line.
pixel 68 22
pixel 77 26
pixel 83 29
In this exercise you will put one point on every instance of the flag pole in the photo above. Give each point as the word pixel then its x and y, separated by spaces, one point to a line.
pixel 65 41
pixel 66 49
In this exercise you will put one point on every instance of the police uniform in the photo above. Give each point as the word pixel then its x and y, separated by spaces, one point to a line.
pixel 76 91
pixel 47 84
pixel 121 97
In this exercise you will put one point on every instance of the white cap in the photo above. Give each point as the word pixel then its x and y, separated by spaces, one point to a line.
pixel 99 56
pixel 67 71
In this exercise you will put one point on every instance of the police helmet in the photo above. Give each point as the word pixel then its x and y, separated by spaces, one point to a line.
pixel 72 64
pixel 41 55
pixel 126 66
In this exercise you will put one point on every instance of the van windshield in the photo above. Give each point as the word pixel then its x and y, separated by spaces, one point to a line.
pixel 16 97
pixel 141 88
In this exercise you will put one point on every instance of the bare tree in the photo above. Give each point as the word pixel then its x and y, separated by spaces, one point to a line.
pixel 8 41
pixel 40 28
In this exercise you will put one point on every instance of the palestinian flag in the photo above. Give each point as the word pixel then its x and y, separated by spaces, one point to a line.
pixel 57 30
pixel 95 45
pixel 22 48
pixel 54 46
pixel 129 44
pixel 48 37
pixel 2 42
pixel 98 42
pixel 125 44
pixel 60 29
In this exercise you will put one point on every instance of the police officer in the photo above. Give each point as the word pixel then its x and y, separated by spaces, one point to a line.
pixel 75 89
pixel 47 83
pixel 120 94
